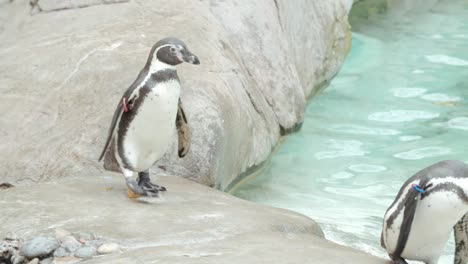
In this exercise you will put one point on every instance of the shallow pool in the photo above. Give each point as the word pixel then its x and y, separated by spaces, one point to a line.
pixel 397 106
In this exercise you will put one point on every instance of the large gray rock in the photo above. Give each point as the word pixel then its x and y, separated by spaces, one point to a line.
pixel 39 247
pixel 190 224
pixel 64 69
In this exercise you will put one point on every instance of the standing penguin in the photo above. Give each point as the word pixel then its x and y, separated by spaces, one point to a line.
pixel 143 123
pixel 417 225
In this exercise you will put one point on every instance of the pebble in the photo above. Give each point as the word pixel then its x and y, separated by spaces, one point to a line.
pixel 34 261
pixel 108 248
pixel 61 252
pixel 70 243
pixel 47 261
pixel 61 233
pixel 84 236
pixel 85 252
pixel 39 247
pixel 17 258
pixel 66 260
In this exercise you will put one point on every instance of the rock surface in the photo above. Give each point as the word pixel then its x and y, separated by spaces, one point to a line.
pixel 59 84
pixel 190 224
pixel 85 252
pixel 39 247
pixel 108 248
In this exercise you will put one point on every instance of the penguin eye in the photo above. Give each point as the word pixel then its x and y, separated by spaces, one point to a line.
pixel 172 49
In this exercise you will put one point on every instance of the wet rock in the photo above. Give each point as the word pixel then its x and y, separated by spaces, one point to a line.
pixel 108 248
pixel 70 243
pixel 47 261
pixel 61 233
pixel 39 247
pixel 95 243
pixel 9 249
pixel 84 236
pixel 85 252
pixel 61 252
pixel 66 260
pixel 34 261
pixel 17 259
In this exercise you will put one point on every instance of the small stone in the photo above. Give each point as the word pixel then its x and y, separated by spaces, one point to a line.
pixel 61 233
pixel 66 260
pixel 95 243
pixel 84 236
pixel 39 247
pixel 47 261
pixel 17 259
pixel 85 252
pixel 70 243
pixel 61 252
pixel 34 261
pixel 108 248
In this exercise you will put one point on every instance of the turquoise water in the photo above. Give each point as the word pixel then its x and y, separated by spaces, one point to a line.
pixel 397 106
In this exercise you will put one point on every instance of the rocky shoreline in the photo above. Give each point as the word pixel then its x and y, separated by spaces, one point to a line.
pixel 65 248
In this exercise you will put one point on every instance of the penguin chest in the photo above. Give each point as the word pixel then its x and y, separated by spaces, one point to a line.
pixel 433 222
pixel 150 132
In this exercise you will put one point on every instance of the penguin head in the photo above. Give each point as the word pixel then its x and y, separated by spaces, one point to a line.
pixel 173 51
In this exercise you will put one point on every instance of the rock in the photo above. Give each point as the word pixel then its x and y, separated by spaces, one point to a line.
pixel 39 247
pixel 84 236
pixel 61 233
pixel 85 252
pixel 70 243
pixel 259 64
pixel 34 261
pixel 207 225
pixel 9 249
pixel 18 259
pixel 66 260
pixel 108 248
pixel 61 252
pixel 47 261
pixel 95 243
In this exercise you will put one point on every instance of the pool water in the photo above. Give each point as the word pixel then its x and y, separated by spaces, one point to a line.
pixel 397 106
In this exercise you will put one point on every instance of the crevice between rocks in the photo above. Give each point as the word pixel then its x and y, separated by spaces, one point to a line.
pixel 278 14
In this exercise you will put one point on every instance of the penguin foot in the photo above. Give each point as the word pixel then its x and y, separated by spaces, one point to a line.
pixel 151 187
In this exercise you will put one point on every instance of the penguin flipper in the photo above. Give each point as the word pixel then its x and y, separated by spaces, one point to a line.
pixel 183 131
pixel 129 97
pixel 118 112
pixel 461 240
pixel 110 162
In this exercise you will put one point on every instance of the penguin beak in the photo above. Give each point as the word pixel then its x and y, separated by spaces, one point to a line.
pixel 190 58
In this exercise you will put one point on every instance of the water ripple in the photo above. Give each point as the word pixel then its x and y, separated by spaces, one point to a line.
pixel 401 115
pixel 421 153
pixel 367 168
pixel 459 123
pixel 342 148
pixel 362 130
pixel 406 92
pixel 440 97
pixel 409 138
pixel 342 175
pixel 444 59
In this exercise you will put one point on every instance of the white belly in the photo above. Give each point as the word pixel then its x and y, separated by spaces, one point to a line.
pixel 150 132
pixel 434 220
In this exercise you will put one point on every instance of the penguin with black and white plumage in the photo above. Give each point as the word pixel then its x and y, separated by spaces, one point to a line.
pixel 428 206
pixel 142 127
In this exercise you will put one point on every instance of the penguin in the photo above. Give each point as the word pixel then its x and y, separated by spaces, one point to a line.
pixel 143 123
pixel 418 223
